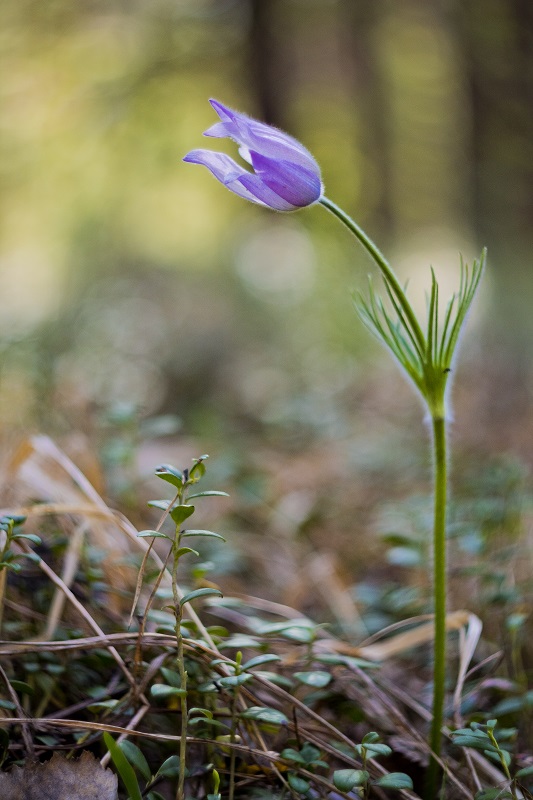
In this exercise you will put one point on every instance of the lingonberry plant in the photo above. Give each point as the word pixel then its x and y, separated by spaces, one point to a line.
pixel 286 177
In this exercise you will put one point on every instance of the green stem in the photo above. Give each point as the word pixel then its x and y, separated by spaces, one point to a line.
pixel 494 741
pixel 383 264
pixel 439 601
pixel 180 794
pixel 233 752
pixel 433 393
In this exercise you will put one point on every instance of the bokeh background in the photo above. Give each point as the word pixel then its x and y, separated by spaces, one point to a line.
pixel 148 315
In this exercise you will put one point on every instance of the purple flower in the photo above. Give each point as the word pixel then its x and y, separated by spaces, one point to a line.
pixel 285 175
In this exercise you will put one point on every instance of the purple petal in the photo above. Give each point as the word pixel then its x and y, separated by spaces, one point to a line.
pixel 235 178
pixel 223 111
pixel 223 167
pixel 286 176
pixel 295 184
pixel 262 138
pixel 263 194
pixel 220 130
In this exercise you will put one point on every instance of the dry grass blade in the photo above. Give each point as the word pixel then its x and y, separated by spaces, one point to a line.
pixel 468 642
pixel 35 470
pixel 49 572
pixel 413 638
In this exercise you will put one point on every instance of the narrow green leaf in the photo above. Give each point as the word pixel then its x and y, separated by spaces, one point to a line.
pixel 21 686
pixel 153 535
pixel 196 532
pixel 213 723
pixel 12 566
pixel 124 768
pixel 136 758
pixel 200 593
pixel 31 537
pixel 209 493
pixel 206 712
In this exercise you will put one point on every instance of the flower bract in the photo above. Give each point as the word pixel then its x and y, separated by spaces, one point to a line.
pixel 285 175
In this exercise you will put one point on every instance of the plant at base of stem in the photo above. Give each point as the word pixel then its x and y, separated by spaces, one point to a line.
pixel 286 177
pixel 179 510
pixel 9 559
pixel 483 737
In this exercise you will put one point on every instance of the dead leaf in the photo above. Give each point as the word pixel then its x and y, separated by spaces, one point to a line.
pixel 60 779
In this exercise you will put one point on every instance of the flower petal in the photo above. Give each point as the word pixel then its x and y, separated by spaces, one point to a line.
pixel 263 194
pixel 260 137
pixel 286 176
pixel 220 165
pixel 225 170
pixel 295 184
pixel 238 180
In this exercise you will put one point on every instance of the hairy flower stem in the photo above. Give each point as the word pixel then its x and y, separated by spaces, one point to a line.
pixel 439 595
pixel 384 266
pixel 433 394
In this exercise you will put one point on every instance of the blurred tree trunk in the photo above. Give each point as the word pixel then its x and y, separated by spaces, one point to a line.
pixel 497 45
pixel 268 61
pixel 357 21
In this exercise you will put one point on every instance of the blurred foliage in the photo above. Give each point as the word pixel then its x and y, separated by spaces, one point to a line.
pixel 132 280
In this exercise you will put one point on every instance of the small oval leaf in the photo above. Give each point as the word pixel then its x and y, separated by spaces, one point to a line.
pixel 298 784
pixel 182 551
pixel 169 768
pixel 161 690
pixel 263 714
pixel 264 659
pixel 395 780
pixel 170 474
pixel 317 679
pixel 347 779
pixel 180 513
pixel 230 681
